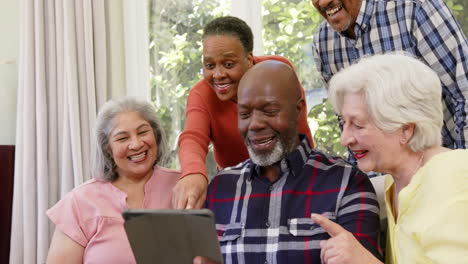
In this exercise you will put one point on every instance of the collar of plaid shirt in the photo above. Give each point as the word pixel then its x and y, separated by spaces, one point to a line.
pixel 293 161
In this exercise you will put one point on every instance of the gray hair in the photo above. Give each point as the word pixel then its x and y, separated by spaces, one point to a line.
pixel 102 163
pixel 398 89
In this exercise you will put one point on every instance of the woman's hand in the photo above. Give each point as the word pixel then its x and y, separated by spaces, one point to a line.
pixel 342 247
pixel 190 192
pixel 203 260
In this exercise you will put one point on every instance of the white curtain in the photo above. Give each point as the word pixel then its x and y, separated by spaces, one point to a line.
pixel 62 83
pixel 136 48
pixel 251 12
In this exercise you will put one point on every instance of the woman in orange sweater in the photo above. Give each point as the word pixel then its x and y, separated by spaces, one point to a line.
pixel 211 113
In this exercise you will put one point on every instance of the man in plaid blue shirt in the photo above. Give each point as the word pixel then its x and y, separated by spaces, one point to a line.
pixel 262 206
pixel 424 28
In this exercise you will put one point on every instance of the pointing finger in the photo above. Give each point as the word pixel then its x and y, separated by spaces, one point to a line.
pixel 332 228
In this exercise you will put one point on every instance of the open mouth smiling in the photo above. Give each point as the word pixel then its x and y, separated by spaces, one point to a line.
pixel 222 87
pixel 359 154
pixel 138 157
pixel 330 11
pixel 262 144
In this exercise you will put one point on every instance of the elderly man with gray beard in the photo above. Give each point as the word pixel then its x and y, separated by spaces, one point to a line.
pixel 262 206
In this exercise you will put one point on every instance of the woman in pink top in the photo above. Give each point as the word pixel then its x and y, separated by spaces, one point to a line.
pixel 128 145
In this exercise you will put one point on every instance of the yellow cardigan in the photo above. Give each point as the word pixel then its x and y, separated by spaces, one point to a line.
pixel 432 225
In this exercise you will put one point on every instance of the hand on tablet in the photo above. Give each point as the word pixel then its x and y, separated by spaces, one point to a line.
pixel 203 260
pixel 190 192
pixel 342 247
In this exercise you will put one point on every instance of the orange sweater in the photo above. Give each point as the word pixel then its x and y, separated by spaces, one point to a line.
pixel 210 120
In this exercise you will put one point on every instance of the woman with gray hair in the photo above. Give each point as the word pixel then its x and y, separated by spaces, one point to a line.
pixel 391 112
pixel 128 143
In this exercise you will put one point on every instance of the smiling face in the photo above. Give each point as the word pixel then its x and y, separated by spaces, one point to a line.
pixel 374 149
pixel 340 14
pixel 132 146
pixel 224 64
pixel 268 110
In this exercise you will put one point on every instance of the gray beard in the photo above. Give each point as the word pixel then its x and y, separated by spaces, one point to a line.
pixel 267 159
pixel 283 147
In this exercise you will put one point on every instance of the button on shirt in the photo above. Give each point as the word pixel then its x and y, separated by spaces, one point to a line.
pixel 424 28
pixel 259 221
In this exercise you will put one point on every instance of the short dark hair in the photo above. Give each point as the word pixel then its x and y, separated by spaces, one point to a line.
pixel 232 26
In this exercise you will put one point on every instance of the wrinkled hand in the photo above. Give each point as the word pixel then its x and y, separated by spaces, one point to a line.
pixel 203 260
pixel 190 192
pixel 342 247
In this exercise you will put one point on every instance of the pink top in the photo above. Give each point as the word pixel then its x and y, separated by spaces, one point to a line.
pixel 91 215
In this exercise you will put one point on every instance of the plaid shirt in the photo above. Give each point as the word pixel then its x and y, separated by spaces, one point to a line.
pixel 259 221
pixel 424 28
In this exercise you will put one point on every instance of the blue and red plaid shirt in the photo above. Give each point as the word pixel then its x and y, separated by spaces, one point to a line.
pixel 259 221
pixel 424 28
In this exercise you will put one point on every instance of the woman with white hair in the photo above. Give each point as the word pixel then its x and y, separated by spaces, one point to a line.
pixel 391 112
pixel 128 144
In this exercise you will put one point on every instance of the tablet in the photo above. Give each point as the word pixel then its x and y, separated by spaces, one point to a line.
pixel 171 236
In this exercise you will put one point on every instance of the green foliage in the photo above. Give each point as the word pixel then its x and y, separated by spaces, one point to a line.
pixel 327 135
pixel 288 28
pixel 460 11
pixel 175 28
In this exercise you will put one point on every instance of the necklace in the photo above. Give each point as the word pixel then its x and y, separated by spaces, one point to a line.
pixel 419 163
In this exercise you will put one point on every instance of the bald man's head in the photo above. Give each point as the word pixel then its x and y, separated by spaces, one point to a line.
pixel 267 73
pixel 269 105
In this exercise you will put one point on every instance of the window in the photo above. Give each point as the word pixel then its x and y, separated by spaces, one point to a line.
pixel 175 28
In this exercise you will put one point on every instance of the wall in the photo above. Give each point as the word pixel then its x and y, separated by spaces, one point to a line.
pixel 9 48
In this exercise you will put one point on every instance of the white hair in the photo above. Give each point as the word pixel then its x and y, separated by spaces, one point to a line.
pixel 398 89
